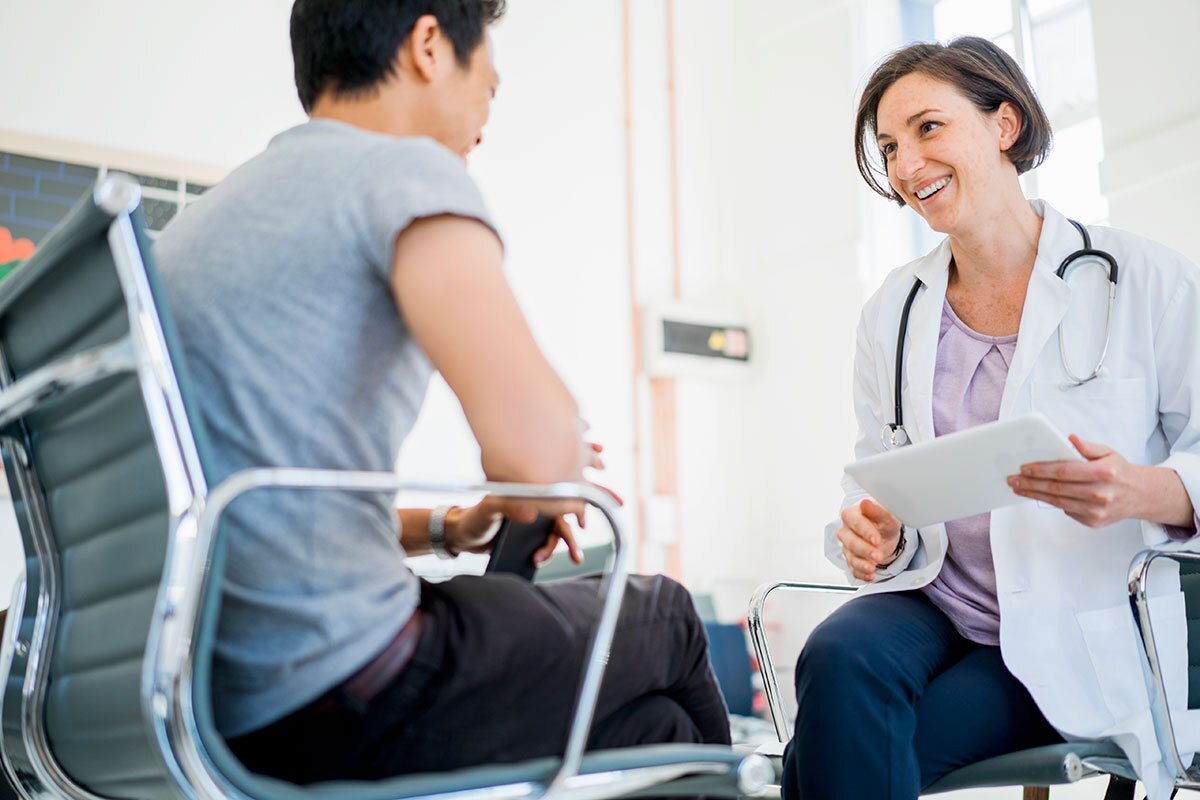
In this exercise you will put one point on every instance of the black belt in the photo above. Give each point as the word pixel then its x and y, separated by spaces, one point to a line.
pixel 362 687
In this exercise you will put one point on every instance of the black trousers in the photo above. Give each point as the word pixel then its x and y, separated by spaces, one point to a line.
pixel 494 679
pixel 891 698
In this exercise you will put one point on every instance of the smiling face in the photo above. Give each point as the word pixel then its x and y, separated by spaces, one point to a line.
pixel 945 157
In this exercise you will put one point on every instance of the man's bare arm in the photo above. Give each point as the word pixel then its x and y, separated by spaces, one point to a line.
pixel 448 284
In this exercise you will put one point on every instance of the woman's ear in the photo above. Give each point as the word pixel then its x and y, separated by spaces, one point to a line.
pixel 1010 122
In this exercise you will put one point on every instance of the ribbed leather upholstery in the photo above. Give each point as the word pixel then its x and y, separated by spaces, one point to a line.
pixel 102 485
pixel 1189 580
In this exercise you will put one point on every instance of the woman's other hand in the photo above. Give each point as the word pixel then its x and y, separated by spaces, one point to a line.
pixel 1105 488
pixel 870 535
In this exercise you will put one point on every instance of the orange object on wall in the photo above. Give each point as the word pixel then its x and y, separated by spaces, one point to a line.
pixel 13 250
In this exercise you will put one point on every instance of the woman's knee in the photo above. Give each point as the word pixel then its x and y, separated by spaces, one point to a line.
pixel 830 657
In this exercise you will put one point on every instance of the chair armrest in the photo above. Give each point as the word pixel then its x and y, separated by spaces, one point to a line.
pixel 612 586
pixel 758 636
pixel 1160 710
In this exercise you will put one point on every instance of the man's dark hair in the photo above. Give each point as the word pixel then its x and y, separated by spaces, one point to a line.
pixel 985 74
pixel 349 46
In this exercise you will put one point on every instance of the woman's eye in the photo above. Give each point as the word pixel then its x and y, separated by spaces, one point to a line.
pixel 888 149
pixel 929 125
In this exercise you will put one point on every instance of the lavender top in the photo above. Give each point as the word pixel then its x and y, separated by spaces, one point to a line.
pixel 969 375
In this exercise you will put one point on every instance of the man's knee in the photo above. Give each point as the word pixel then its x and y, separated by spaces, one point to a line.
pixel 677 599
pixel 651 719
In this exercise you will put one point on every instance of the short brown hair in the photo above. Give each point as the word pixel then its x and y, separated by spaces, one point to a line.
pixel 985 74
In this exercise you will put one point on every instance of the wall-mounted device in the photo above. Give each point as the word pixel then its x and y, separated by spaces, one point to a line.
pixel 683 340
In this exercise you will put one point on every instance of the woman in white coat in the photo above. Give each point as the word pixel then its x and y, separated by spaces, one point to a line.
pixel 1004 631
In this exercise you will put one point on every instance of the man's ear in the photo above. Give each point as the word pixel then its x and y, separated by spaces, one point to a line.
pixel 421 48
pixel 1010 121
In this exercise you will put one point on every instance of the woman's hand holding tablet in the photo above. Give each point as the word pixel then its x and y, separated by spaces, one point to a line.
pixel 962 473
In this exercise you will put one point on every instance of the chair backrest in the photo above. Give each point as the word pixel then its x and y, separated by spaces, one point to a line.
pixel 104 470
pixel 1189 581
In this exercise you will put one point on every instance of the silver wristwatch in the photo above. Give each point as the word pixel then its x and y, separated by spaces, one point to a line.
pixel 437 532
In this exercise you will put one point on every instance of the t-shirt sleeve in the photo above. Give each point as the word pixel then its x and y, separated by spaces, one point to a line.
pixel 408 180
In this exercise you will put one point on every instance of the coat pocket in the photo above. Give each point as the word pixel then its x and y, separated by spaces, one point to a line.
pixel 1114 648
pixel 1111 411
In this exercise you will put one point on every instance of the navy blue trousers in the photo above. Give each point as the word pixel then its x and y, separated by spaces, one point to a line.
pixel 891 698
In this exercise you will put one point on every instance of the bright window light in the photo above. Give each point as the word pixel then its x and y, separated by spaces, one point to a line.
pixel 1040 8
pixel 1066 69
pixel 988 18
pixel 1061 64
pixel 1070 178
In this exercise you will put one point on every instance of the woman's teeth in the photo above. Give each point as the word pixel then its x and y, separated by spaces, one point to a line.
pixel 925 193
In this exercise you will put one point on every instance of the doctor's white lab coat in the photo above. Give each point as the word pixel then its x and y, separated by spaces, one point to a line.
pixel 1066 631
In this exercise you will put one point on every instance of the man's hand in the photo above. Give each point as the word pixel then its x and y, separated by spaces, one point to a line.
pixel 869 536
pixel 471 530
pixel 1105 488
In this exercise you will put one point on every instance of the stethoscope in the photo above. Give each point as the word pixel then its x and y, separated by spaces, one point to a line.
pixel 893 433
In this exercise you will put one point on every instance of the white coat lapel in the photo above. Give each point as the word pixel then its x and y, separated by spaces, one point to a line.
pixel 920 356
pixel 1046 301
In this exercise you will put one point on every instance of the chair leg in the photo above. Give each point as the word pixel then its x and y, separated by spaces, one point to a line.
pixel 1036 793
pixel 1119 788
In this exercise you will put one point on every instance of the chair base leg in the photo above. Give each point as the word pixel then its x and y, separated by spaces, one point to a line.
pixel 1119 788
pixel 1036 793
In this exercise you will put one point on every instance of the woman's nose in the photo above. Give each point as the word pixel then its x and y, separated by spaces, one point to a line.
pixel 908 161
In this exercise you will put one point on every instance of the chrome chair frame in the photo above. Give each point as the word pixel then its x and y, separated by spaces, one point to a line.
pixel 1160 710
pixel 194 515
pixel 1074 767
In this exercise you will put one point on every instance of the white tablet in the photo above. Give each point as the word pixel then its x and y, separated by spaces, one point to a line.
pixel 960 474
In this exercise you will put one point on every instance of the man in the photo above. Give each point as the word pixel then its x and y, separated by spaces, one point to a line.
pixel 316 289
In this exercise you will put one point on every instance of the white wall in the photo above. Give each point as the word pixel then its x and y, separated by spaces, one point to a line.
pixel 1147 62
pixel 771 222
pixel 201 82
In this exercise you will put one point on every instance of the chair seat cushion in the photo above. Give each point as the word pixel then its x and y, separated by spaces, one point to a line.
pixel 1039 766
pixel 536 771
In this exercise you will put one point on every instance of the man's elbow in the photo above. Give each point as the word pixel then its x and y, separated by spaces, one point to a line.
pixel 546 452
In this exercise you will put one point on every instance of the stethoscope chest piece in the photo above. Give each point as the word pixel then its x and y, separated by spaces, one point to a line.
pixel 893 436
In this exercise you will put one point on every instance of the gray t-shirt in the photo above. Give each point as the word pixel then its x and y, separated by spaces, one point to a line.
pixel 279 278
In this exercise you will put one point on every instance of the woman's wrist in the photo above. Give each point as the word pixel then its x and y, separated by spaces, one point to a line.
pixel 1161 497
pixel 891 559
